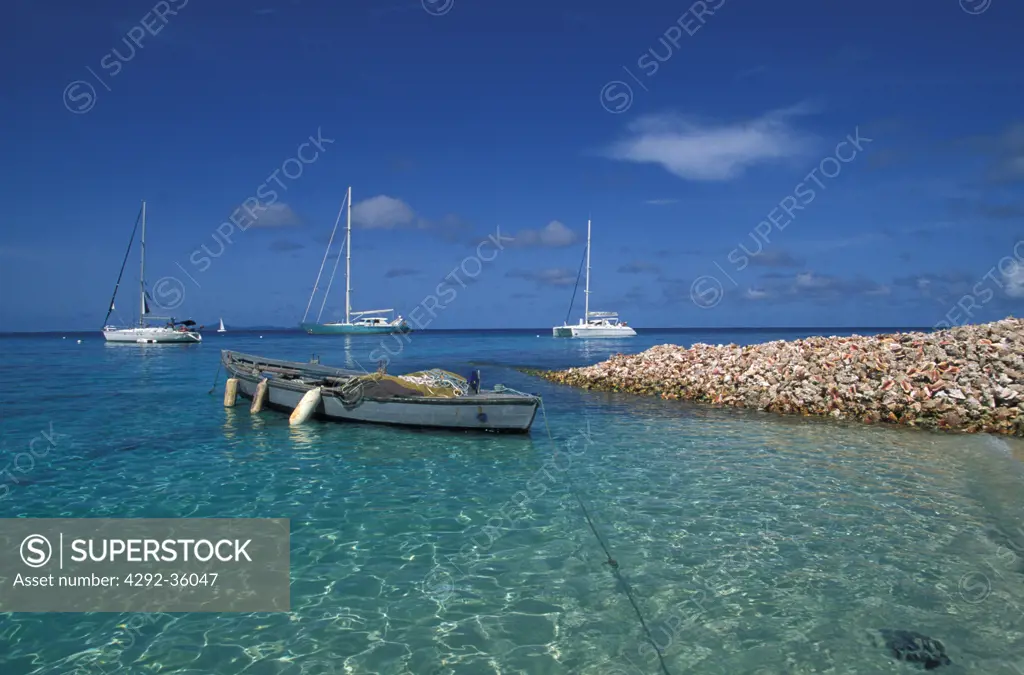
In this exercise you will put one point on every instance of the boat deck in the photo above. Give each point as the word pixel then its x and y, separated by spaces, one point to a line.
pixel 308 375
pixel 353 396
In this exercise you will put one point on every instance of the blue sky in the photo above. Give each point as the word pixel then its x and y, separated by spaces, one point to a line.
pixel 688 132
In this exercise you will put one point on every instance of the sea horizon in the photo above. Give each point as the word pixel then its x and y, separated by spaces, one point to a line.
pixel 546 329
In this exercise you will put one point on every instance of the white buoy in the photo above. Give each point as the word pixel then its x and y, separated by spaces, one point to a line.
pixel 79 342
pixel 261 337
pixel 260 397
pixel 304 410
pixel 230 392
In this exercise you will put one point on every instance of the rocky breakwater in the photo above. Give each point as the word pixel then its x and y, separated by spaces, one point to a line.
pixel 969 378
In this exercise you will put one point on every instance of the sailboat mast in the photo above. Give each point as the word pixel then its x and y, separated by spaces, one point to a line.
pixel 586 292
pixel 348 258
pixel 142 271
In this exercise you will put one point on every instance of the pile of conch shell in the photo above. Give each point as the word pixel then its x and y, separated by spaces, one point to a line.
pixel 967 378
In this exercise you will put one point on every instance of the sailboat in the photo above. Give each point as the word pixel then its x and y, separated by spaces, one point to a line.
pixel 172 331
pixel 593 324
pixel 371 321
pixel 221 329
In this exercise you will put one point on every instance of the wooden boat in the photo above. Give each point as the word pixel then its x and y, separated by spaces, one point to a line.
pixel 432 399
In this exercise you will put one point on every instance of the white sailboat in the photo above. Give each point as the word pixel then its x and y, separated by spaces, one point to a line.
pixel 221 329
pixel 370 321
pixel 172 331
pixel 593 324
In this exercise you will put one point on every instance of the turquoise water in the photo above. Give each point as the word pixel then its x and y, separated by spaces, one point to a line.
pixel 751 543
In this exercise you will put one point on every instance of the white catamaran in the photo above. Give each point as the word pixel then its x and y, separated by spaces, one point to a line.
pixel 593 324
pixel 172 331
pixel 367 321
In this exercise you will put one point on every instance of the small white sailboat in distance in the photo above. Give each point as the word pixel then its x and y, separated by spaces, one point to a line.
pixel 221 329
pixel 593 324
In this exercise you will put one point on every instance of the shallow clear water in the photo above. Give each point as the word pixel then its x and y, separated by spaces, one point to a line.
pixel 751 543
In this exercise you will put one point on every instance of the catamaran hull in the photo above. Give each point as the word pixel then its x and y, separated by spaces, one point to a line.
pixel 151 336
pixel 587 332
pixel 350 329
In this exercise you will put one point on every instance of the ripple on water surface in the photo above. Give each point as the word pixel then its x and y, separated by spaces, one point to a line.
pixel 752 544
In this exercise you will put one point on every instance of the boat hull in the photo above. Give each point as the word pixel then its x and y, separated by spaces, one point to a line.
pixel 151 335
pixel 352 329
pixel 492 412
pixel 593 332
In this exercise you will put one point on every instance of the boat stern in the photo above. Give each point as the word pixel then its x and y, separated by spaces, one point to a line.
pixel 509 414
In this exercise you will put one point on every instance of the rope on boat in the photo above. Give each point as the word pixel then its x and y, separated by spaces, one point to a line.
pixel 351 392
pixel 611 562
pixel 501 389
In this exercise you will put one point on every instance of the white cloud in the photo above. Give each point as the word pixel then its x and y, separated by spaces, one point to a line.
pixel 660 202
pixel 273 215
pixel 639 267
pixel 552 235
pixel 755 294
pixel 382 213
pixel 1015 281
pixel 386 213
pixel 809 280
pixel 1009 166
pixel 556 276
pixel 824 286
pixel 701 151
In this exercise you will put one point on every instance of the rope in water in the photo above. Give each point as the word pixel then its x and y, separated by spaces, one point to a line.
pixel 215 378
pixel 611 562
